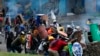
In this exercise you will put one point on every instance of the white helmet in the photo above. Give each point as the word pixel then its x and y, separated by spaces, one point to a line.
pixel 78 28
pixel 68 26
pixel 22 32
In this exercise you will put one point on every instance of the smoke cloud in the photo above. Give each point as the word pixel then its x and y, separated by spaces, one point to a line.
pixel 12 8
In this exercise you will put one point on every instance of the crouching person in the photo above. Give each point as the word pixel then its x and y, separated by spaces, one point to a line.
pixel 19 42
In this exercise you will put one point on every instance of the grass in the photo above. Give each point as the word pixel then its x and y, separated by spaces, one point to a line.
pixel 16 54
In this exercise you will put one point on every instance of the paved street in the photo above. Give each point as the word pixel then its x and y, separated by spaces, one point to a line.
pixel 2 40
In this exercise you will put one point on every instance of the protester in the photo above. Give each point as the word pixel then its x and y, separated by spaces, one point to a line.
pixel 19 42
pixel 36 40
pixel 1 21
pixel 10 38
pixel 16 29
pixel 28 43
pixel 55 46
pixel 7 29
pixel 35 37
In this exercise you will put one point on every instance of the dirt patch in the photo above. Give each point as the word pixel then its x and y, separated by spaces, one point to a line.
pixel 93 49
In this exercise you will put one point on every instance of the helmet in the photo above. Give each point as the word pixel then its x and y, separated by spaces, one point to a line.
pixel 78 28
pixel 23 33
pixel 68 26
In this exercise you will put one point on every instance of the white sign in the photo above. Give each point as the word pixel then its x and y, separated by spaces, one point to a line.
pixel 77 49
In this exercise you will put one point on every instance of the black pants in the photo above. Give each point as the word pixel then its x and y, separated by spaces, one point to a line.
pixel 17 48
pixel 6 35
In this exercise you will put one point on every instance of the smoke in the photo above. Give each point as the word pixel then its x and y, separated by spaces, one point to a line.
pixel 98 5
pixel 53 15
pixel 12 9
pixel 90 6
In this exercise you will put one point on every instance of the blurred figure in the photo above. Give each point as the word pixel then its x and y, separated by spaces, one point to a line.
pixel 19 43
pixel 1 21
pixel 83 40
pixel 10 38
pixel 31 23
pixel 69 30
pixel 7 29
pixel 36 40
pixel 19 19
pixel 26 27
pixel 7 26
pixel 21 28
pixel 28 44
pixel 52 31
pixel 16 29
pixel 55 46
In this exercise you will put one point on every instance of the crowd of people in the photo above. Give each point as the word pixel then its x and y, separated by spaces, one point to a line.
pixel 33 36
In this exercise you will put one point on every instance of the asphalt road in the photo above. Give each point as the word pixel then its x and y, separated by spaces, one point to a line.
pixel 3 43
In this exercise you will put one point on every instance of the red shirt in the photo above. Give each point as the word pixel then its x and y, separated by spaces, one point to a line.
pixel 58 45
pixel 1 19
